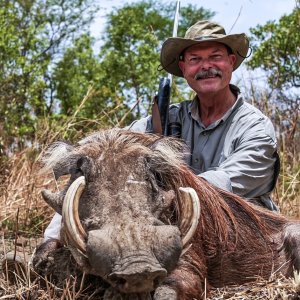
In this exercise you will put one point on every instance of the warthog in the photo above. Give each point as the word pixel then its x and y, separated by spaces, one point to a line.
pixel 137 217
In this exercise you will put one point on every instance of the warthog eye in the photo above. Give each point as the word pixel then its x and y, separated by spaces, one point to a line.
pixel 158 179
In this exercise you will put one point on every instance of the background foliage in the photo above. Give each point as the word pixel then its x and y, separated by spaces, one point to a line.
pixel 276 50
pixel 34 34
pixel 48 62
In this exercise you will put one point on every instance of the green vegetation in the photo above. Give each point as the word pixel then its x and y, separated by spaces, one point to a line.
pixel 276 50
pixel 33 36
pixel 48 63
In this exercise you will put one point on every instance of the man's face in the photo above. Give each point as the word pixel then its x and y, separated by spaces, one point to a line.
pixel 207 67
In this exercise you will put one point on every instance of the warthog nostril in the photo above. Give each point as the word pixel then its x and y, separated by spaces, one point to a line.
pixel 137 281
pixel 118 282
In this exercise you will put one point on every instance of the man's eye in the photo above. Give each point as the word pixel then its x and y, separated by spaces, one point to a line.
pixel 194 60
pixel 216 57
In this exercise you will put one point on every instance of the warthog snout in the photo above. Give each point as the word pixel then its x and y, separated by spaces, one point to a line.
pixel 138 277
pixel 137 259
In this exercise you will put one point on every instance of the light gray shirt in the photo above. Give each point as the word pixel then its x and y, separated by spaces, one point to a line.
pixel 237 153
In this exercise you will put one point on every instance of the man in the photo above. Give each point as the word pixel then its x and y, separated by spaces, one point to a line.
pixel 232 144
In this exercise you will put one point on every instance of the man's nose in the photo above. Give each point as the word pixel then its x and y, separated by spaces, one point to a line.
pixel 205 63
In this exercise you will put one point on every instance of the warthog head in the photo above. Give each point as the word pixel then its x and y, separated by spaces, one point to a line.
pixel 125 217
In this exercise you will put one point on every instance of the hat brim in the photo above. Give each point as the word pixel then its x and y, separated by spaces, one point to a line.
pixel 172 48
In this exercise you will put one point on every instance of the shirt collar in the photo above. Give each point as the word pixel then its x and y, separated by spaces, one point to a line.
pixel 194 111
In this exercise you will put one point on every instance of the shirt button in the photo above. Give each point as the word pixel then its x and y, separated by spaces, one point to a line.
pixel 196 159
pixel 204 133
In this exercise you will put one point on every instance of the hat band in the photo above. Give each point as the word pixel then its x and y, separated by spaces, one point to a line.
pixel 207 37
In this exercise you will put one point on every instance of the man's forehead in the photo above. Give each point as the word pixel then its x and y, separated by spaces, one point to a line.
pixel 211 46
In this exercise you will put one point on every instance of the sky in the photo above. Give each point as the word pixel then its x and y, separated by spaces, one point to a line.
pixel 236 16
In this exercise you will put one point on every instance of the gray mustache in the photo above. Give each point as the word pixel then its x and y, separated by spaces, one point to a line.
pixel 208 73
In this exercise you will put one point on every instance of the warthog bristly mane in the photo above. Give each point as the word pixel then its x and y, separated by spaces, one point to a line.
pixel 234 241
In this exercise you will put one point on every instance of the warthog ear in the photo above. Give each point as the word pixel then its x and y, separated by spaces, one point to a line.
pixel 59 158
pixel 189 214
pixel 83 166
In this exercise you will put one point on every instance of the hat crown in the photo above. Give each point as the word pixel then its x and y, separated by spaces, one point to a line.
pixel 204 29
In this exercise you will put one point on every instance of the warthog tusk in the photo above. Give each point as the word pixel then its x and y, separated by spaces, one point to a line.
pixel 189 214
pixel 76 234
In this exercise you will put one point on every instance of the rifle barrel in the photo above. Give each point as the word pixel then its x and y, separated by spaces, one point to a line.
pixel 164 90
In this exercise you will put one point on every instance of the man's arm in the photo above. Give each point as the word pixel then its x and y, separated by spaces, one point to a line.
pixel 141 125
pixel 250 169
pixel 53 229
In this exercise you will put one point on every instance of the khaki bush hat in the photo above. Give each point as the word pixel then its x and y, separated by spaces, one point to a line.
pixel 202 31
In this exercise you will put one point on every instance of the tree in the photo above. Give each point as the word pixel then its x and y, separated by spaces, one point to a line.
pixel 130 54
pixel 276 50
pixel 78 70
pixel 48 64
pixel 33 34
pixel 74 73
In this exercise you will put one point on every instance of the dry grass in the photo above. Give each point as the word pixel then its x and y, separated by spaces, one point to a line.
pixel 24 216
pixel 279 288
pixel 22 207
pixel 287 193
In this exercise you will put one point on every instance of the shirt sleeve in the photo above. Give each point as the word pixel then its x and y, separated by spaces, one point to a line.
pixel 249 170
pixel 141 125
pixel 53 229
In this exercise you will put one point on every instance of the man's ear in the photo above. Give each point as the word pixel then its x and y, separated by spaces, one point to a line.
pixel 181 66
pixel 232 58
